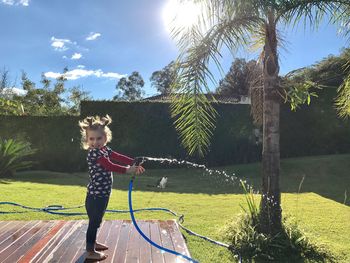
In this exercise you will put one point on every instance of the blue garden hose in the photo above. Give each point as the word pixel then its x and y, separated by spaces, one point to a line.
pixel 144 236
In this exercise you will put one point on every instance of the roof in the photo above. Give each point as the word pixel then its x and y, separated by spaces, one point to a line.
pixel 218 97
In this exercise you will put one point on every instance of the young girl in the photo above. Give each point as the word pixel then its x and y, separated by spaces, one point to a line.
pixel 95 135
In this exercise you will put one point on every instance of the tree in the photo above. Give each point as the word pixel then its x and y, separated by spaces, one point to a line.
pixel 130 88
pixel 7 104
pixel 233 24
pixel 42 101
pixel 46 100
pixel 237 80
pixel 4 82
pixel 77 94
pixel 163 79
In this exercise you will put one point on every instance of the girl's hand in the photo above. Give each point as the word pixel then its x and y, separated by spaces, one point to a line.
pixel 139 169
pixel 133 169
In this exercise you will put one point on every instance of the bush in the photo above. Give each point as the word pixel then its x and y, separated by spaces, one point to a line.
pixel 291 245
pixel 248 243
pixel 12 154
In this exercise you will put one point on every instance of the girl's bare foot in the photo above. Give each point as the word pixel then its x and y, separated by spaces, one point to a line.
pixel 100 247
pixel 95 255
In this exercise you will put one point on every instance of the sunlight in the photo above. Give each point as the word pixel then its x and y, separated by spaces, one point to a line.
pixel 178 13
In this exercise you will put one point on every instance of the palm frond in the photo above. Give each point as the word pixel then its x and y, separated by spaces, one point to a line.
pixel 341 18
pixel 12 153
pixel 310 11
pixel 342 101
pixel 193 113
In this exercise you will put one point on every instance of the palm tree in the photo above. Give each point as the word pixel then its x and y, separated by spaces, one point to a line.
pixel 233 23
pixel 343 99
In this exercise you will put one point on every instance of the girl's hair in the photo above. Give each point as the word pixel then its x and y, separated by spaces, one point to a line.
pixel 92 123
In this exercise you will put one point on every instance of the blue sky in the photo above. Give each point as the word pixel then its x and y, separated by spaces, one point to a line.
pixel 101 41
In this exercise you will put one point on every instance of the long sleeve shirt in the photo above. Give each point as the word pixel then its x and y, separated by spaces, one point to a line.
pixel 101 167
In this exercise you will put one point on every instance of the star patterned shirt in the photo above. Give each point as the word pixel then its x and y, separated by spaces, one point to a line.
pixel 100 170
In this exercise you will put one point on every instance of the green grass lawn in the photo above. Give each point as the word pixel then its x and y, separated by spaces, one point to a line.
pixel 207 201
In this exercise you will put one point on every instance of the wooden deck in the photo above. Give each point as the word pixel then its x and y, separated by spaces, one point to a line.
pixel 64 241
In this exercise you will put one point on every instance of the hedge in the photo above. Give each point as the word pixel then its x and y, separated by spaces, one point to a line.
pixel 56 138
pixel 146 129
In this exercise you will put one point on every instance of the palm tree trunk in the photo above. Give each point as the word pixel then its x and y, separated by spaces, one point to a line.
pixel 270 207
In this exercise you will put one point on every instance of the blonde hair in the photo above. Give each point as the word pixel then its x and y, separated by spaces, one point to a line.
pixel 94 123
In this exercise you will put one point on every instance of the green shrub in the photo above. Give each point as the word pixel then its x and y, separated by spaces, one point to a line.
pixel 12 154
pixel 248 243
pixel 291 245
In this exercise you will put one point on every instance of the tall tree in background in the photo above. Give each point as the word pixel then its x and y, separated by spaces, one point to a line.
pixel 47 100
pixel 77 94
pixel 7 104
pixel 5 82
pixel 42 101
pixel 130 88
pixel 163 79
pixel 233 24
pixel 238 79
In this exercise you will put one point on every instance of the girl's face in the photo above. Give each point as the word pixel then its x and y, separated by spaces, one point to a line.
pixel 96 138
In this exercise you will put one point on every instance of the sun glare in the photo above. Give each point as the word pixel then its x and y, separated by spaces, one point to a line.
pixel 178 13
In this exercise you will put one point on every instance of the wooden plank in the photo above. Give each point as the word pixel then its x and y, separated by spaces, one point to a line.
pixel 157 255
pixel 166 241
pixel 104 232
pixel 64 241
pixel 30 254
pixel 79 255
pixel 64 252
pixel 145 247
pixel 13 241
pixel 54 242
pixel 12 229
pixel 7 227
pixel 80 244
pixel 27 241
pixel 178 240
pixel 58 251
pixel 133 250
pixel 4 225
pixel 117 241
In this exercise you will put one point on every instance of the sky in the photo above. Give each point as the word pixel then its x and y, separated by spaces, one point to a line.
pixel 103 41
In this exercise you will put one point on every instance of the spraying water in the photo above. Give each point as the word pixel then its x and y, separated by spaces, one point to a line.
pixel 227 178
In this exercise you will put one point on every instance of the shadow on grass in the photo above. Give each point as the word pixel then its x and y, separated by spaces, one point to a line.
pixel 324 175
pixel 4 182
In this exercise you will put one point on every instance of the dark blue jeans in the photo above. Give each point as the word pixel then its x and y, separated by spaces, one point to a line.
pixel 95 208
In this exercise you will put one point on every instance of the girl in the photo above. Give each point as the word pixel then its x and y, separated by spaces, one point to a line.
pixel 95 135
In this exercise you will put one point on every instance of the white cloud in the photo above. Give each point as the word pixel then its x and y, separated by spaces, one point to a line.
pixel 76 56
pixel 113 75
pixel 24 2
pixel 80 66
pixel 16 2
pixel 93 36
pixel 60 44
pixel 8 2
pixel 81 73
pixel 52 75
pixel 12 91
